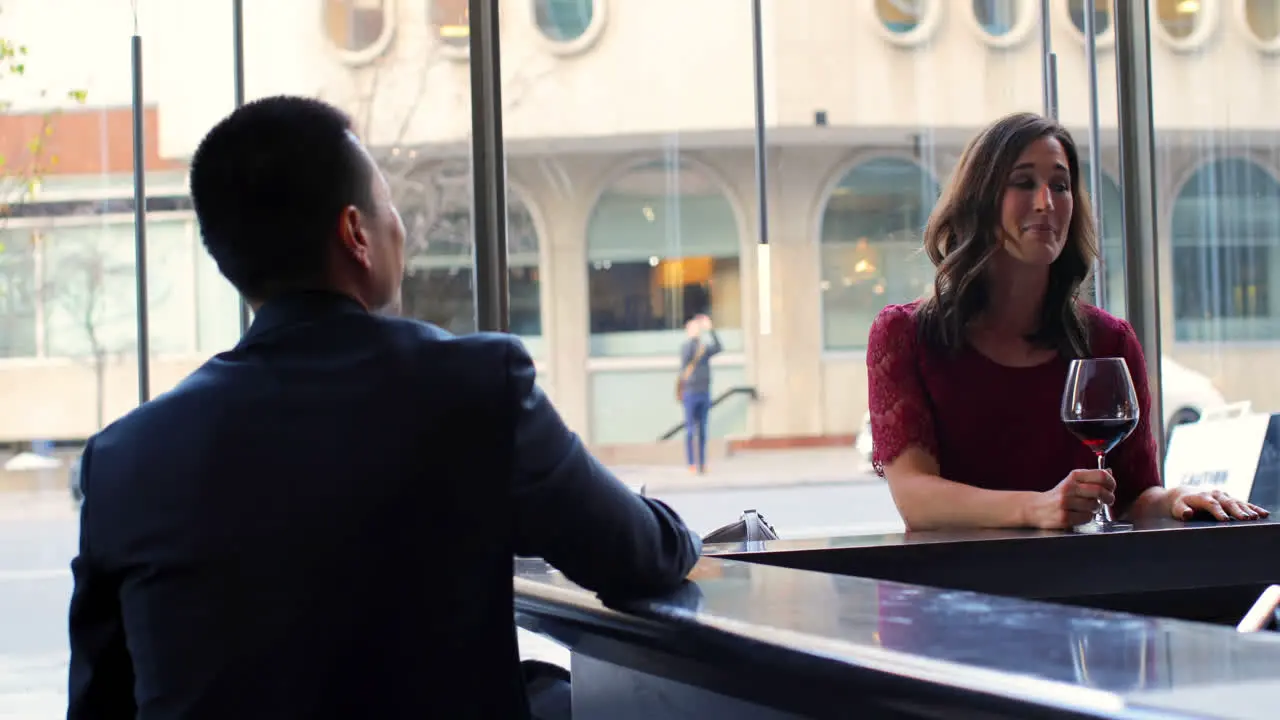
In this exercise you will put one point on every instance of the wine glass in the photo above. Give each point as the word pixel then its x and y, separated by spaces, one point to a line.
pixel 1100 407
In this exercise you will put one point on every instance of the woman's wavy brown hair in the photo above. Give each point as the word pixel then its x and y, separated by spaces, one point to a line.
pixel 963 235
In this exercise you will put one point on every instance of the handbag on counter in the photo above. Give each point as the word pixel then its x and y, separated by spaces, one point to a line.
pixel 751 527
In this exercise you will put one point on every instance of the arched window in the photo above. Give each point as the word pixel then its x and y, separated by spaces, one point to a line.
pixel 1226 222
pixel 871 246
pixel 356 26
pixel 1112 241
pixel 440 269
pixel 662 246
pixel 563 20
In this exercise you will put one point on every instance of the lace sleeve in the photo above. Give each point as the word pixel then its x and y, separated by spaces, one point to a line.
pixel 900 413
pixel 1134 461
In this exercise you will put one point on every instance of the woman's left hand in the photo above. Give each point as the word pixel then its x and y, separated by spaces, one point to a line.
pixel 1186 502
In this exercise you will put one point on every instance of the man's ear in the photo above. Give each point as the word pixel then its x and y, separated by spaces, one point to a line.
pixel 353 236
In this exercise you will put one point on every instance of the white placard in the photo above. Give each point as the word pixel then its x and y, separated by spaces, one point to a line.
pixel 1217 455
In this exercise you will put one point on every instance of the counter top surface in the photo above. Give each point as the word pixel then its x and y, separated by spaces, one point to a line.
pixel 927 537
pixel 1055 654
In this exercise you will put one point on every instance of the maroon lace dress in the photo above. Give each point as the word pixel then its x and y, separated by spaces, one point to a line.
pixel 994 426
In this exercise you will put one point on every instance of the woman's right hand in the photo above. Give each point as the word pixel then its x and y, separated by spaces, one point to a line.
pixel 1072 502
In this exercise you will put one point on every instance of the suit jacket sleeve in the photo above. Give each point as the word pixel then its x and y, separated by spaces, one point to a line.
pixel 100 678
pixel 572 512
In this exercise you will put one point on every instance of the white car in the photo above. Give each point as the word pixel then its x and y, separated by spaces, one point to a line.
pixel 1186 395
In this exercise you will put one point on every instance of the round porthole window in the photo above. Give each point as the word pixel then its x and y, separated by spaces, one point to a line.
pixel 1184 24
pixel 907 22
pixel 1260 21
pixel 569 26
pixel 1103 20
pixel 1003 23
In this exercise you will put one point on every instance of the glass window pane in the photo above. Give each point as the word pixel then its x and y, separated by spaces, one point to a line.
pixel 1218 213
pixel 642 205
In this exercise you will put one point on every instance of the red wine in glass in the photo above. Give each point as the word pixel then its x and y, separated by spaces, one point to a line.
pixel 1100 407
pixel 1102 436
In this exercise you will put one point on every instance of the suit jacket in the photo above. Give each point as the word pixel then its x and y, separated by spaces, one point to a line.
pixel 321 523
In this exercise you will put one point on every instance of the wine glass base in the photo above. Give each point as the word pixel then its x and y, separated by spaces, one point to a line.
pixel 1094 527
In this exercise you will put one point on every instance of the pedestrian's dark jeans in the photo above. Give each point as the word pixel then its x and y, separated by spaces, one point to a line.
pixel 549 691
pixel 696 407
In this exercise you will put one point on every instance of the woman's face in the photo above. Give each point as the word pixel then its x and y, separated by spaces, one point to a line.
pixel 1035 211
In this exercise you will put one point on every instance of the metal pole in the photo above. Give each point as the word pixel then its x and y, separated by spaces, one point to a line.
pixel 1095 150
pixel 488 171
pixel 1049 80
pixel 1138 206
pixel 237 63
pixel 140 224
pixel 764 269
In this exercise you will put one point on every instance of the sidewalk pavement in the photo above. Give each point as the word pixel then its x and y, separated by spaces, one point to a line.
pixel 745 469
pixel 755 469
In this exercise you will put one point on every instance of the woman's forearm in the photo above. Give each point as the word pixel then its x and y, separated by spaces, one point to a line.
pixel 929 502
pixel 1154 502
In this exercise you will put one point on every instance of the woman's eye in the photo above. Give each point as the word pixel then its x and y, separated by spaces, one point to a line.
pixel 1024 183
pixel 1061 187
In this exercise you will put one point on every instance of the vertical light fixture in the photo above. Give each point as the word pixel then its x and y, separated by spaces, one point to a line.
pixel 1095 149
pixel 764 267
pixel 1049 81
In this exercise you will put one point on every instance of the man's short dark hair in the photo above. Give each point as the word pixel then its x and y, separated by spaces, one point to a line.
pixel 269 183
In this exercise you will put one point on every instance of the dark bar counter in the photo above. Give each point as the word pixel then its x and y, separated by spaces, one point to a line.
pixel 1204 571
pixel 754 640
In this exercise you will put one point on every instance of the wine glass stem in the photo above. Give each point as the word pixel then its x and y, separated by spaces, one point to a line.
pixel 1103 514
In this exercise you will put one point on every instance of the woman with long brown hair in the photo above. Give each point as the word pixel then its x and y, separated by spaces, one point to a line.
pixel 965 385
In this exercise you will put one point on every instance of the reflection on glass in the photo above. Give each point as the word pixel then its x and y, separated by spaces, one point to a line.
pixel 902 16
pixel 1226 223
pixel 1178 17
pixel 998 17
pixel 438 286
pixel 1263 19
pixel 662 246
pixel 1111 240
pixel 871 246
pixel 1113 654
pixel 563 20
pixel 1101 15
pixel 355 25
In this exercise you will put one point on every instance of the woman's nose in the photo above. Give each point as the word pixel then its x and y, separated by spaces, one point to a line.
pixel 1044 198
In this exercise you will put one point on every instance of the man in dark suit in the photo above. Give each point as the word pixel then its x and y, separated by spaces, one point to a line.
pixel 321 522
